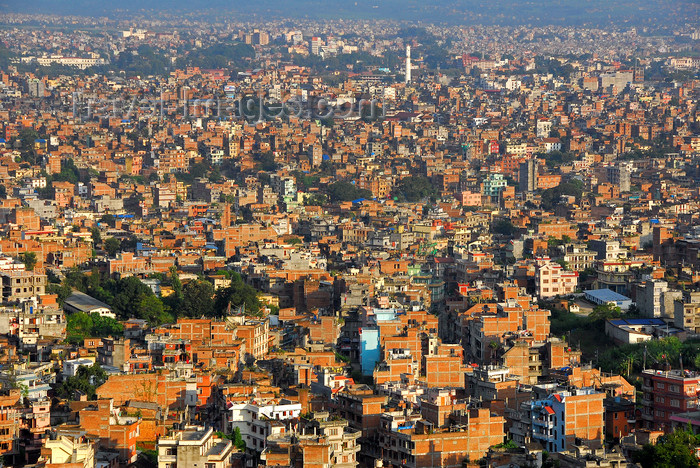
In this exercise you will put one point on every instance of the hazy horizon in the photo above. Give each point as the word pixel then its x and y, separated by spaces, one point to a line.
pixel 653 13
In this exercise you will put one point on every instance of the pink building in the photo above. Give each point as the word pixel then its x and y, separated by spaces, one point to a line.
pixel 552 280
pixel 468 198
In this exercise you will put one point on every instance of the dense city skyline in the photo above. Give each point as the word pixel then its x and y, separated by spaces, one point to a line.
pixel 372 234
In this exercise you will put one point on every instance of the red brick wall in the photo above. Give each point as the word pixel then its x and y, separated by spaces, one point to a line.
pixel 143 387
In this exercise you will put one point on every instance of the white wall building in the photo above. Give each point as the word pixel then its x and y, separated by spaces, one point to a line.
pixel 70 367
pixel 256 422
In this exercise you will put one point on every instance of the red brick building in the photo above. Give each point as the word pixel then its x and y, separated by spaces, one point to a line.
pixel 667 393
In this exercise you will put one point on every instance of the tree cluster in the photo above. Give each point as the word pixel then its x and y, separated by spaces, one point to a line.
pixel 675 450
pixel 345 191
pixel 658 352
pixel 129 298
pixel 80 325
pixel 551 196
pixel 221 55
pixel 414 188
pixel 86 380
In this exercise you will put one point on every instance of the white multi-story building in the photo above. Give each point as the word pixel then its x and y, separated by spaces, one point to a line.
pixel 284 186
pixel 655 299
pixel 577 256
pixel 79 62
pixel 544 127
pixel 194 446
pixel 216 156
pixel 257 421
pixel 9 264
pixel 70 367
pixel 552 280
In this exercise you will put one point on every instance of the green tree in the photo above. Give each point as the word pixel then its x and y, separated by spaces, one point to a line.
pixel 675 450
pixel 69 172
pixel 96 235
pixel 112 246
pixel 76 279
pixel 29 259
pixel 236 295
pixel 62 290
pixel 27 138
pixel 504 227
pixel 128 244
pixel 78 327
pixel 93 280
pixel 86 380
pixel 345 191
pixel 414 188
pixel 238 441
pixel 129 292
pixel 151 309
pixel 316 199
pixel 149 456
pixel 605 311
pixel 197 299
pixel 176 297
pixel 551 197
pixel 657 352
pixel 108 219
pixel 105 326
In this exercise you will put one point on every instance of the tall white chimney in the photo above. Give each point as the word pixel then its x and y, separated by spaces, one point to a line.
pixel 408 63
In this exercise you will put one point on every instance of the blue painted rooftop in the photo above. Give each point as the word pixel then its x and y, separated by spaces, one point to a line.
pixel 640 321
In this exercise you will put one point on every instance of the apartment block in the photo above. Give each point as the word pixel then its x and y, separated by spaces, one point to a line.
pixel 68 451
pixel 552 280
pixel 567 418
pixel 21 285
pixel 686 312
pixel 655 299
pixel 195 446
pixel 413 443
pixel 257 421
pixel 667 393
pixel 116 432
pixel 341 438
pixel 362 408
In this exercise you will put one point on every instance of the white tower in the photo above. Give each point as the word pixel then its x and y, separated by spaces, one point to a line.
pixel 408 63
